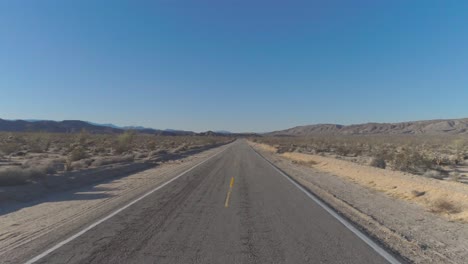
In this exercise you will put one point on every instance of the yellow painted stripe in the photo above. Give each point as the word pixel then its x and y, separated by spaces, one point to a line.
pixel 228 196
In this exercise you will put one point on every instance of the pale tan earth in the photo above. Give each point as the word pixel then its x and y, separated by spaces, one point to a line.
pixel 53 218
pixel 383 204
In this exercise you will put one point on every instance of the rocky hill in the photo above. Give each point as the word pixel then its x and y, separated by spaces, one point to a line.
pixel 429 127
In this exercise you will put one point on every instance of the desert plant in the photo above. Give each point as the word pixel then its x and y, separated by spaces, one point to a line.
pixel 378 162
pixel 8 148
pixel 19 176
pixel 151 145
pixel 113 160
pixel 83 137
pixel 77 153
pixel 434 174
pixel 81 164
pixel 454 176
pixel 68 165
pixel 124 142
pixel 412 161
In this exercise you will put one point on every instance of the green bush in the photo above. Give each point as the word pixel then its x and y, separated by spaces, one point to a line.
pixel 124 142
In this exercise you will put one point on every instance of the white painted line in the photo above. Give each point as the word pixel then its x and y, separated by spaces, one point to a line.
pixel 60 244
pixel 382 252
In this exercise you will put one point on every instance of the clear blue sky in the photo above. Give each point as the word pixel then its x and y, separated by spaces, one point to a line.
pixel 233 65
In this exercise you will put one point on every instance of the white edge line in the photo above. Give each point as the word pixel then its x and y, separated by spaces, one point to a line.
pixel 62 243
pixel 382 252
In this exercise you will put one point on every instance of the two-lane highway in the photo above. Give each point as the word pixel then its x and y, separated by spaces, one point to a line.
pixel 234 208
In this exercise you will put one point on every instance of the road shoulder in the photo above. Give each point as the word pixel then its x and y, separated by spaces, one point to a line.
pixel 42 223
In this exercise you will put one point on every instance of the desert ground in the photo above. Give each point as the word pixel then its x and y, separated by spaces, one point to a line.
pixel 35 163
pixel 409 191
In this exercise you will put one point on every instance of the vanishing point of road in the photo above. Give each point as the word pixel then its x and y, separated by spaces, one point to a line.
pixel 233 208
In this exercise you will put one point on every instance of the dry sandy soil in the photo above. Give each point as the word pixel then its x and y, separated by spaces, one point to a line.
pixel 24 226
pixel 422 219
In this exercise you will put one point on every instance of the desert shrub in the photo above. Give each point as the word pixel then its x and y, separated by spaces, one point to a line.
pixel 434 174
pixel 8 148
pixel 157 152
pixel 77 153
pixel 35 147
pixel 409 160
pixel 83 137
pixel 83 163
pixel 378 162
pixel 180 148
pixel 53 166
pixel 113 160
pixel 444 206
pixel 77 165
pixel 88 162
pixel 18 176
pixel 342 150
pixel 124 142
pixel 151 145
pixel 35 142
pixel 454 176
pixel 99 150
pixel 416 154
pixel 283 149
pixel 68 165
pixel 45 167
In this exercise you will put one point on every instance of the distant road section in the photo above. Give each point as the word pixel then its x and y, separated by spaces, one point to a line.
pixel 234 208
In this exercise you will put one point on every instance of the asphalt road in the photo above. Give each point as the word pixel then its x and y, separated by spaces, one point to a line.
pixel 234 208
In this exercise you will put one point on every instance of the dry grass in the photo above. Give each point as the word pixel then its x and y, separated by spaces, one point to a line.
pixel 423 191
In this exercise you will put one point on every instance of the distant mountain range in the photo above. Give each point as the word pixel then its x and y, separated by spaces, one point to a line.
pixel 428 127
pixel 147 129
pixel 75 126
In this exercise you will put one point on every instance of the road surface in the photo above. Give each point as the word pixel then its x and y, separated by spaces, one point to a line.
pixel 233 208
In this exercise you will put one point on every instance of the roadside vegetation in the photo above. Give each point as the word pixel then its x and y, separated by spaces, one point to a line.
pixel 431 171
pixel 438 157
pixel 29 157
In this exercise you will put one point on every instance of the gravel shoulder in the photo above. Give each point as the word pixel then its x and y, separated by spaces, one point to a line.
pixel 41 223
pixel 405 227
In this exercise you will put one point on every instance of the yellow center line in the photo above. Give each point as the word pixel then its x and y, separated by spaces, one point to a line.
pixel 228 196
